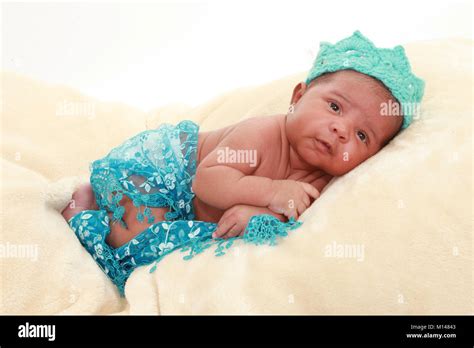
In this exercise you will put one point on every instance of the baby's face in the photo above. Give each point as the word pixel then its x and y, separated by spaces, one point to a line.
pixel 343 111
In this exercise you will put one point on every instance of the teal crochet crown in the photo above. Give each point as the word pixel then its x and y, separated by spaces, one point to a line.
pixel 390 66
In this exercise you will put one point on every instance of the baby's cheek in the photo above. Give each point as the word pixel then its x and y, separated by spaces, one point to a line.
pixel 344 162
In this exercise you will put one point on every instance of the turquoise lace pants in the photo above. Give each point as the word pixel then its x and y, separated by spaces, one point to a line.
pixel 155 168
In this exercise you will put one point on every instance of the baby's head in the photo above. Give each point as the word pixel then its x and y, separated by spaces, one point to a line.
pixel 349 107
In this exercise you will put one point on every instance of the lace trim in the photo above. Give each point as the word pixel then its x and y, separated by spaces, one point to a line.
pixel 261 229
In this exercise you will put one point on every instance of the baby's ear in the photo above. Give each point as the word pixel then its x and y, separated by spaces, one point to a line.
pixel 298 92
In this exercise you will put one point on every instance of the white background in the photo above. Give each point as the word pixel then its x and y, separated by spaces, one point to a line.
pixel 151 54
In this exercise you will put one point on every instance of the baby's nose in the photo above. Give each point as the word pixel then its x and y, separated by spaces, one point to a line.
pixel 340 130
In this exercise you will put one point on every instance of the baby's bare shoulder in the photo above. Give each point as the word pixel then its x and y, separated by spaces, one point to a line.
pixel 263 130
pixel 263 135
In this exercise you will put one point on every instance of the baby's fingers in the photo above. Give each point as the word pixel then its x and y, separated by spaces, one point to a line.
pixel 276 209
pixel 233 232
pixel 310 190
pixel 222 228
pixel 301 209
pixel 291 213
pixel 306 200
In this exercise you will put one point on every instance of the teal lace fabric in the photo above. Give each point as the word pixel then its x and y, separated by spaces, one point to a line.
pixel 156 168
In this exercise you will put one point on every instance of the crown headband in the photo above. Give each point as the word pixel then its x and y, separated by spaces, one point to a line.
pixel 390 66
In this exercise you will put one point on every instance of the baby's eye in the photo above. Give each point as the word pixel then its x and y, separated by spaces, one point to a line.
pixel 334 106
pixel 364 136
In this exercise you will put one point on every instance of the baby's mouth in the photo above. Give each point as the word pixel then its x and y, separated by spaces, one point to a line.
pixel 326 145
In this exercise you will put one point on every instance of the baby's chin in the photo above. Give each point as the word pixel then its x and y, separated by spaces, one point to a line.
pixel 333 169
pixel 326 165
pixel 316 166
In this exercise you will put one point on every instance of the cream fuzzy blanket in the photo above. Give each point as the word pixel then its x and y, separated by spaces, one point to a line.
pixel 394 236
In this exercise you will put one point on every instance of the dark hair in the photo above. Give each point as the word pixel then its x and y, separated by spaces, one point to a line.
pixel 378 85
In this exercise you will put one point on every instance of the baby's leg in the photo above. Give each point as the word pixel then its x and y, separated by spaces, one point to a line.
pixel 120 235
pixel 82 199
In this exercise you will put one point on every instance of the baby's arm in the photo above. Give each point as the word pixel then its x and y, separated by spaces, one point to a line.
pixel 221 183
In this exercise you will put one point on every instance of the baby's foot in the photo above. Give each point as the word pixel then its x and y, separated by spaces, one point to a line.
pixel 82 199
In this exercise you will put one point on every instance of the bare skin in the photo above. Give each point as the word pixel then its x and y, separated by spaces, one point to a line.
pixel 336 125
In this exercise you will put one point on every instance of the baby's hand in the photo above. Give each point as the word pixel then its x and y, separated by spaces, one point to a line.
pixel 291 198
pixel 235 220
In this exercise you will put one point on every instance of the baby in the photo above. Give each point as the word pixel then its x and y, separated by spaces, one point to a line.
pixel 334 123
